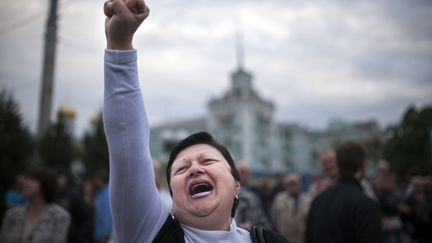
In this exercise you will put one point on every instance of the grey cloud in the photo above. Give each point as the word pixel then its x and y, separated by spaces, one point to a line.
pixel 175 62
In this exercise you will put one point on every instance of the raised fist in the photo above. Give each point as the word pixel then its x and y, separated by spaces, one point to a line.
pixel 123 17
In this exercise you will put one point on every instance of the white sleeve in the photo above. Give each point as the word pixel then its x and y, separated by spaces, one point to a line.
pixel 137 210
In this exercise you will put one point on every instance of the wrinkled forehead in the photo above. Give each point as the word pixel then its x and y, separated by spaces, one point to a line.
pixel 197 151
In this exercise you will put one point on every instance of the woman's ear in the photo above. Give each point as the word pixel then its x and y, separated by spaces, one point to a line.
pixel 237 187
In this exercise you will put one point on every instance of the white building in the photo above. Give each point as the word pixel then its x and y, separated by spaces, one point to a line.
pixel 244 122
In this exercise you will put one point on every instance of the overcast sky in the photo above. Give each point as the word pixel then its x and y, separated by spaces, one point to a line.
pixel 315 60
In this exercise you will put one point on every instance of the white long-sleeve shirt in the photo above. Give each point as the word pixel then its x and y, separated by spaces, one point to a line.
pixel 137 210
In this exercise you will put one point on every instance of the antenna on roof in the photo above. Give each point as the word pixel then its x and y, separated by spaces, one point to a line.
pixel 239 41
pixel 239 48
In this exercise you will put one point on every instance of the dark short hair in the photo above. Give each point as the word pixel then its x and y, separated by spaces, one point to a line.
pixel 350 157
pixel 200 138
pixel 47 180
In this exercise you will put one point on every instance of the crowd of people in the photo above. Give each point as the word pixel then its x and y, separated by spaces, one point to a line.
pixel 48 205
pixel 404 210
pixel 212 198
pixel 81 212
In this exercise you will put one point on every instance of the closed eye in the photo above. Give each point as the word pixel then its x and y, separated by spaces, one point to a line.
pixel 181 170
pixel 208 161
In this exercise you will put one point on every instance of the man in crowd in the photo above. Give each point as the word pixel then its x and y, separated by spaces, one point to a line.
pixel 250 210
pixel 103 225
pixel 343 213
pixel 329 165
pixel 290 208
pixel 329 173
pixel 72 200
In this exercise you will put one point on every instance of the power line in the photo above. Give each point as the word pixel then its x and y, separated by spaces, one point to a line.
pixel 28 20
pixel 8 6
pixel 21 23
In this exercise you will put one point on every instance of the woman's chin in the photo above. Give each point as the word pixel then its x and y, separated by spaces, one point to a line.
pixel 202 209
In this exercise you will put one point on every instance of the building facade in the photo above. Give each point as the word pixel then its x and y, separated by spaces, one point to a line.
pixel 244 122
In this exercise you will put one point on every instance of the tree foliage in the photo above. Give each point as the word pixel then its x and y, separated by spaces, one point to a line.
pixel 95 147
pixel 408 148
pixel 56 146
pixel 16 141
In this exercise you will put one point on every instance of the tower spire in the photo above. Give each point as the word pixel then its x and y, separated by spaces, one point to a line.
pixel 239 48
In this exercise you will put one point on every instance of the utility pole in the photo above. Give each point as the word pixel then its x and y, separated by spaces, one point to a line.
pixel 430 142
pixel 46 91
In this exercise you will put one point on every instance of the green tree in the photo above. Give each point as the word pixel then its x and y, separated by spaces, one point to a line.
pixel 408 148
pixel 16 141
pixel 56 147
pixel 95 147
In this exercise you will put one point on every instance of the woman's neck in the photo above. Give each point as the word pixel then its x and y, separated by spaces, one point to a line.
pixel 36 208
pixel 206 223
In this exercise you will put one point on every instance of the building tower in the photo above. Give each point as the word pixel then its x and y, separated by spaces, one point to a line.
pixel 242 120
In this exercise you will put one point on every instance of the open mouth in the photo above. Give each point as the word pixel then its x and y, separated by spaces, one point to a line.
pixel 199 189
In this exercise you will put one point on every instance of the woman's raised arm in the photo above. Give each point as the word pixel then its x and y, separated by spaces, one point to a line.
pixel 137 210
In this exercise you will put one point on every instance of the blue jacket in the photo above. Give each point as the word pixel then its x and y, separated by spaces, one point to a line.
pixel 103 226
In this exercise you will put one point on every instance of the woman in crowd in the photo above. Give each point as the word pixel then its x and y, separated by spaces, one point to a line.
pixel 201 174
pixel 40 220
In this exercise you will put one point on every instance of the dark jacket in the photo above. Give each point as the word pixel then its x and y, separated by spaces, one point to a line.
pixel 172 232
pixel 343 213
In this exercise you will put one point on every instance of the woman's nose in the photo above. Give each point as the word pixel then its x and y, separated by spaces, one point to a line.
pixel 196 169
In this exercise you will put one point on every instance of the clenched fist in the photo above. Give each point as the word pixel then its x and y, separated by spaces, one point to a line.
pixel 123 17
